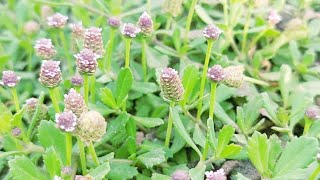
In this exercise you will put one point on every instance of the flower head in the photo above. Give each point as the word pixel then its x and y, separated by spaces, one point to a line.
pixel 66 121
pixel 77 80
pixel 87 61
pixel 171 85
pixel 9 79
pixel 114 22
pixel 31 27
pixel 273 17
pixel 217 175
pixel 180 175
pixel 91 126
pixel 44 48
pixel 16 132
pixel 77 30
pixel 57 20
pixel 130 30
pixel 233 76
pixel 93 40
pixel 313 112
pixel 212 32
pixel 216 73
pixel 145 23
pixel 50 73
pixel 74 102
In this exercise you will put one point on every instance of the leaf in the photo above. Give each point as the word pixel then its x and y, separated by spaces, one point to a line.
pixel 156 176
pixel 107 98
pixel 100 172
pixel 285 80
pixel 224 138
pixel 52 162
pixel 121 171
pixel 197 172
pixel 5 117
pixel 198 137
pixel 152 158
pixel 298 153
pixel 148 122
pixel 145 87
pixel 182 131
pixel 124 83
pixel 230 150
pixel 271 107
pixel 49 136
pixel 22 168
pixel 17 118
pixel 189 80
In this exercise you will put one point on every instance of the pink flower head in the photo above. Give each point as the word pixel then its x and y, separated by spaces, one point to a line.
pixel 9 79
pixel 57 20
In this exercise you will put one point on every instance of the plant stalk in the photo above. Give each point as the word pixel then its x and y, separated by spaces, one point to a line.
pixel 93 154
pixel 66 51
pixel 315 173
pixel 82 157
pixel 15 98
pixel 189 20
pixel 144 60
pixel 86 88
pixel 93 89
pixel 127 60
pixel 169 128
pixel 109 50
pixel 68 148
pixel 54 100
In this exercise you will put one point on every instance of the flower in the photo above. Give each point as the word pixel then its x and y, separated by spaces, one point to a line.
pixel 217 175
pixel 130 30
pixel 66 171
pixel 114 22
pixel 87 61
pixel 77 80
pixel 313 112
pixel 273 17
pixel 93 40
pixel 216 73
pixel 180 175
pixel 31 27
pixel 9 79
pixel 66 121
pixel 212 32
pixel 44 48
pixel 74 102
pixel 57 20
pixel 91 126
pixel 173 7
pixel 233 76
pixel 171 85
pixel 145 23
pixel 16 132
pixel 50 73
pixel 77 30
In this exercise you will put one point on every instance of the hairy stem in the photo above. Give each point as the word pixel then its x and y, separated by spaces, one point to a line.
pixel 82 157
pixel 93 88
pixel 93 154
pixel 189 20
pixel 15 98
pixel 68 148
pixel 144 60
pixel 86 88
pixel 127 61
pixel 169 128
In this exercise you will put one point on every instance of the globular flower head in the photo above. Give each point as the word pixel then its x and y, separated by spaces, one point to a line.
pixel 16 132
pixel 216 73
pixel 93 40
pixel 212 32
pixel 57 20
pixel 171 85
pixel 77 80
pixel 66 171
pixel 217 175
pixel 114 22
pixel 9 79
pixel 233 76
pixel 31 105
pixel 91 126
pixel 74 102
pixel 50 73
pixel 180 175
pixel 77 30
pixel 87 61
pixel 130 30
pixel 31 27
pixel 44 48
pixel 173 7
pixel 313 112
pixel 273 17
pixel 145 23
pixel 66 121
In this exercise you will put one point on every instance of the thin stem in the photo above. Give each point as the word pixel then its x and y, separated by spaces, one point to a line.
pixel 68 148
pixel 169 21
pixel 82 157
pixel 245 30
pixel 144 60
pixel 35 116
pixel 206 148
pixel 15 98
pixel 93 88
pixel 203 77
pixel 127 62
pixel 169 128
pixel 307 124
pixel 66 51
pixel 315 173
pixel 93 154
pixel 54 100
pixel 86 88
pixel 109 50
pixel 189 20
pixel 255 81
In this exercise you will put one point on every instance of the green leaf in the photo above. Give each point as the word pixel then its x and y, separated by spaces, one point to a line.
pixel 152 158
pixel 100 172
pixel 271 107
pixel 182 131
pixel 17 118
pixel 156 176
pixel 189 80
pixel 230 150
pixel 145 87
pixel 148 122
pixel 121 171
pixel 5 117
pixel 198 136
pixel 224 138
pixel 22 168
pixel 49 136
pixel 124 83
pixel 52 162
pixel 107 98
pixel 197 172
pixel 298 153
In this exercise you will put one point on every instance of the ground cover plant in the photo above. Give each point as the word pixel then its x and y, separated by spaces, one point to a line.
pixel 169 89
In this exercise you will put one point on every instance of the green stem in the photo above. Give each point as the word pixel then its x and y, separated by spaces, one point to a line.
pixel 307 124
pixel 82 157
pixel 68 148
pixel 92 89
pixel 203 78
pixel 315 173
pixel 54 100
pixel 66 51
pixel 35 116
pixel 127 62
pixel 15 98
pixel 245 30
pixel 86 88
pixel 169 128
pixel 144 60
pixel 93 154
pixel 169 21
pixel 255 81
pixel 109 50
pixel 189 20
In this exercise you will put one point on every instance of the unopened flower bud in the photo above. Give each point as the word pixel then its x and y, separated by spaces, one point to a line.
pixel 86 61
pixel 212 32
pixel 93 40
pixel 171 85
pixel 66 121
pixel 91 126
pixel 66 171
pixel 46 11
pixel 77 80
pixel 130 30
pixel 44 48
pixel 77 30
pixel 31 27
pixel 31 105
pixel 50 73
pixel 16 132
pixel 173 7
pixel 79 177
pixel 216 73
pixel 233 76
pixel 313 112
pixel 57 20
pixel 273 17
pixel 74 102
pixel 180 175
pixel 217 175
pixel 9 79
pixel 114 22
pixel 145 23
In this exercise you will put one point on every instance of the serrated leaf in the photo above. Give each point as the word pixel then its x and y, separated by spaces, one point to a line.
pixel 224 138
pixel 124 83
pixel 100 172
pixel 107 98
pixel 148 122
pixel 121 171
pixel 52 162
pixel 152 158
